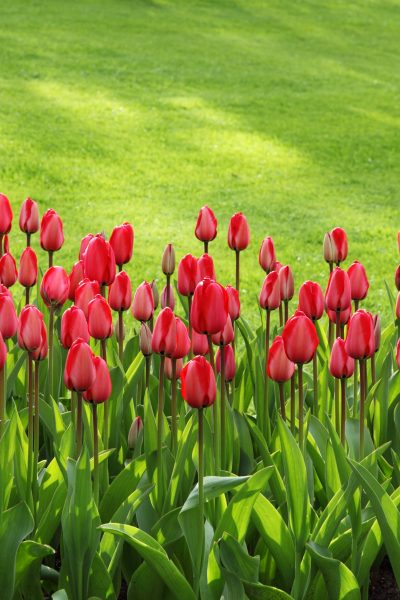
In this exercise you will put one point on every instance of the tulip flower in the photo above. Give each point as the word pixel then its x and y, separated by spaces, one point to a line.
pixel 51 233
pixel 120 299
pixel 29 218
pixel 279 369
pixel 121 241
pixel 173 368
pixel 187 275
pixel 40 353
pixel 377 331
pixel 266 255
pixel 199 343
pixel 145 340
pixel 329 253
pixel 30 328
pixel 6 216
pixel 338 291
pixel 28 270
pixel 341 367
pixel 358 282
pixel 286 282
pixel 311 300
pixel 84 293
pixel 73 327
pixel 135 432
pixel 168 267
pixel 233 302
pixel 99 261
pixel 209 308
pixel 8 317
pixel 168 297
pixel 84 244
pixel 238 239
pixel 8 270
pixel 75 277
pixel 99 318
pixel 397 278
pixel 339 245
pixel 206 227
pixel 54 288
pixel 205 268
pixel 156 295
pixel 143 302
pixel 229 362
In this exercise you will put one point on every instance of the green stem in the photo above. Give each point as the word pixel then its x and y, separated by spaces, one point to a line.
pixel 148 364
pixel 27 294
pixel 293 402
pixel 363 387
pixel 51 349
pixel 222 384
pixel 282 399
pixel 205 247
pixel 266 400
pixel 30 431
pixel 79 425
pixel 286 303
pixel 36 441
pixel 168 290
pixel 95 454
pixel 201 471
pixel 355 395
pixel 73 408
pixel 281 315
pixel 315 382
pixel 301 408
pixel 103 353
pixel 237 270
pixel 50 259
pixel 343 412
pixel 121 336
pixel 174 431
pixel 337 384
pixel 28 240
pixel 160 421
pixel 217 452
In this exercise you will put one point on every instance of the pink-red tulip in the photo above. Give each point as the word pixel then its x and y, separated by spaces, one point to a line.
pixel 199 343
pixel 145 338
pixel 55 287
pixel 79 372
pixel 143 302
pixel 99 318
pixel 164 297
pixel 84 293
pixel 134 432
pixel 29 216
pixel 205 268
pixel 229 361
pixel 84 244
pixel 5 290
pixel 28 268
pixel 51 231
pixel 360 340
pixel 187 275
pixel 168 260
pixel 209 308
pixel 233 302
pixel 358 281
pixel 270 295
pixel 206 226
pixel 168 368
pixel 41 352
pixel 339 244
pixel 30 328
pixel 338 291
pixel 6 215
pixel 101 388
pixel 300 338
pixel 73 326
pixel 120 292
pixel 8 270
pixel 341 364
pixel 344 315
pixel 397 278
pixel 164 334
pixel 8 317
pixel 182 340
pixel 75 277
pixel 277 266
pixel 266 255
pixel 279 367
pixel 198 383
pixel 226 336
pixel 121 241
pixel 99 261
pixel 377 331
pixel 286 282
pixel 238 232
pixel 311 300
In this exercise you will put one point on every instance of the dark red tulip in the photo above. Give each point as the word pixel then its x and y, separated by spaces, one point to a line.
pixel 51 231
pixel 199 343
pixel 397 278
pixel 84 244
pixel 344 315
pixel 168 368
pixel 8 317
pixel 338 291
pixel 8 270
pixel 164 333
pixel 143 302
pixel 266 255
pixel 164 296
pixel 79 372
pixel 377 331
pixel 279 367
pixel 55 287
pixel 101 388
pixel 198 383
pixel 286 282
pixel 3 353
pixel 30 328
pixel 99 318
pixel 41 352
pixel 311 300
pixel 358 281
pixel 168 260
pixel 28 268
pixel 229 360
pixel 209 308
pixel 300 338
pixel 187 275
pixel 206 226
pixel 75 277
pixel 29 216
pixel 84 293
pixel 233 302
pixel 145 338
pixel 205 268
pixel 226 336
pixel 182 339
pixel 121 241
pixel 238 232
pixel 99 261
pixel 270 295
pixel 341 364
pixel 73 326
pixel 360 340
pixel 120 292
pixel 6 215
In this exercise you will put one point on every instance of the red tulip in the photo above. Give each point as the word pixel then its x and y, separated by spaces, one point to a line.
pixel 270 295
pixel 266 255
pixel 199 343
pixel 28 268
pixel 171 303
pixel 84 244
pixel 205 268
pixel 377 331
pixel 398 353
pixel 206 226
pixel 5 290
pixel 168 368
pixel 8 317
pixel 120 292
pixel 358 281
pixel 84 293
pixel 51 231
pixel 101 388
pixel 75 277
pixel 300 338
pixel 344 315
pixel 329 253
pixel 286 282
pixel 339 244
pixel 341 364
pixel 311 300
pixel 99 261
pixel 238 232
pixel 80 372
pixel 121 241
pixel 164 333
pixel 198 383
pixel 187 275
pixel 209 308
pixel 99 318
pixel 6 215
pixel 55 287
pixel 143 302
pixel 168 260
pixel 226 336
pixel 30 328
pixel 398 306
pixel 229 360
pixel 8 270
pixel 29 216
pixel 145 338
pixel 3 353
pixel 182 339
pixel 338 291
pixel 73 326
pixel 41 352
pixel 233 302
pixel 279 367
pixel 277 266
pixel 360 340
pixel 397 278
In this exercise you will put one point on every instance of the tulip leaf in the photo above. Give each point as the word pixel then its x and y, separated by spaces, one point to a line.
pixel 29 557
pixel 213 487
pixel 7 449
pixel 258 591
pixel 176 483
pixel 100 582
pixel 122 486
pixel 237 561
pixel 340 581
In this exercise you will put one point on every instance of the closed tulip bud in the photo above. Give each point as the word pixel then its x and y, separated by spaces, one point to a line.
pixel 187 275
pixel 233 302
pixel 377 331
pixel 209 308
pixel 134 432
pixel 226 336
pixel 143 302
pixel 29 216
pixel 182 339
pixel 6 215
pixel 99 261
pixel 199 343
pixel 279 367
pixel 344 315
pixel 30 328
pixel 358 281
pixel 329 253
pixel 3 353
pixel 238 232
pixel 55 287
pixel 198 383
pixel 300 338
pixel 206 226
pixel 145 338
pixel 120 292
pixel 341 364
pixel 168 260
pixel 164 295
pixel 121 241
pixel 51 231
pixel 311 300
pixel 168 368
pixel 338 291
pixel 8 270
pixel 360 340
pixel 270 295
pixel 205 268
pixel 229 361
pixel 397 278
pixel 73 326
pixel 99 318
pixel 398 306
pixel 8 317
pixel 84 244
pixel 156 295
pixel 266 255
pixel 28 268
pixel 79 372
pixel 75 277
pixel 164 333
pixel 84 293
pixel 101 388
pixel 398 353
pixel 339 244
pixel 286 282
pixel 41 352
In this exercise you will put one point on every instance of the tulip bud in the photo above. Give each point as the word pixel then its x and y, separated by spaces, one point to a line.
pixel 51 231
pixel 143 302
pixel 198 383
pixel 134 432
pixel 300 338
pixel 377 331
pixel 84 244
pixel 8 317
pixel 164 294
pixel 156 296
pixel 311 300
pixel 226 336
pixel 164 334
pixel 28 268
pixel 286 282
pixel 8 270
pixel 270 295
pixel 341 364
pixel 233 302
pixel 205 268
pixel 168 260
pixel 101 388
pixel 145 338
pixel 84 293
pixel 238 232
pixel 397 278
pixel 3 353
pixel 121 241
pixel 55 287
pixel 358 281
pixel 41 352
pixel 6 215
pixel 279 367
pixel 398 353
pixel 168 368
pixel 75 277
pixel 120 292
pixel 30 328
pixel 360 340
pixel 344 315
pixel 339 244
pixel 209 311
pixel 206 226
pixel 338 291
pixel 329 254
pixel 199 343
pixel 229 362
pixel 29 216
pixel 99 261
pixel 73 326
pixel 99 318
pixel 182 339
pixel 266 255
pixel 80 372
pixel 187 275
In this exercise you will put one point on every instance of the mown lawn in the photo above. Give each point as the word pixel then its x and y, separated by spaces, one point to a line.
pixel 145 110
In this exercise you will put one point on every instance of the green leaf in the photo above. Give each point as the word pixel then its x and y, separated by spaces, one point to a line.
pixel 340 581
pixel 258 591
pixel 237 561
pixel 29 553
pixel 213 487
pixel 122 486
pixel 15 524
pixel 100 583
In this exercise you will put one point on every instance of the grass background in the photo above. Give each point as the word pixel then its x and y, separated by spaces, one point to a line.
pixel 145 110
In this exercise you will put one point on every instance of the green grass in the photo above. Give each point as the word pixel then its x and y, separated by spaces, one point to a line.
pixel 145 110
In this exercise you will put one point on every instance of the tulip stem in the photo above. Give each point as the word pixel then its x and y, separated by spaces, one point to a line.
pixel 27 290
pixel 121 335
pixel 293 402
pixel 50 258
pixel 337 385
pixel 205 247
pixel 1 244
pixel 30 431
pixel 363 383
pixel 222 382
pixel 2 401
pixel 160 420
pixel 282 399
pixel 330 334
pixel 343 412
pixel 51 344
pixel 315 382
pixel 215 408
pixel 28 240
pixel 286 303
pixel 36 440
pixel 168 290
pixel 373 371
pixel 73 408
pixel 174 432
pixel 301 409
pixel 190 325
pixel 103 353
pixel 280 315
pixel 79 425
pixel 355 393
pixel 237 253
pixel 266 401
pixel 95 454
pixel 148 364
pixel 201 473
